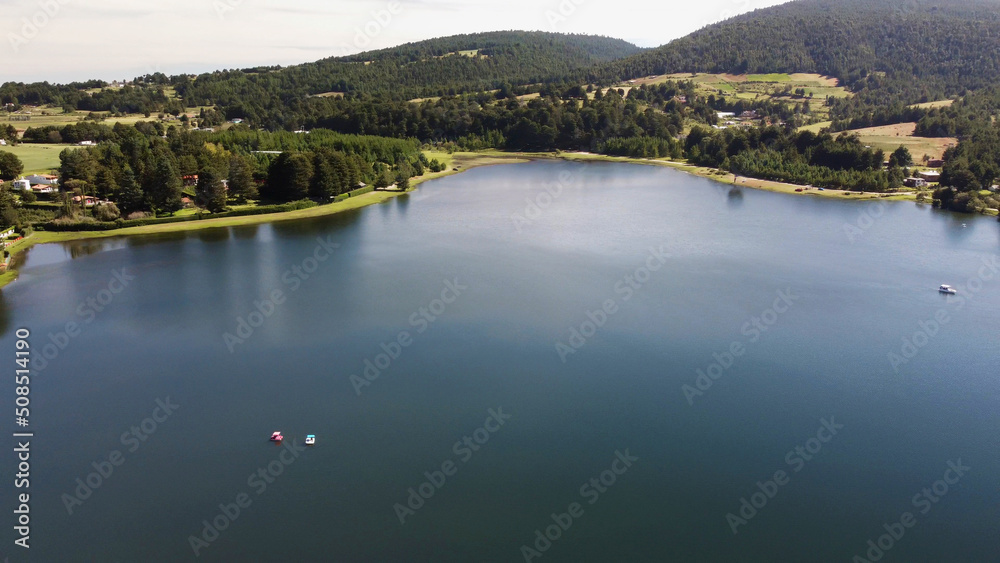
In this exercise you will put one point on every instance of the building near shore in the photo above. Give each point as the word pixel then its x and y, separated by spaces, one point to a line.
pixel 931 176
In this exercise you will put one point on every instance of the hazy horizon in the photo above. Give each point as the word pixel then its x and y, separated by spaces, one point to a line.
pixel 43 39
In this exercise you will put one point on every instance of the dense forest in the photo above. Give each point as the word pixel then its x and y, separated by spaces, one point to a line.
pixel 940 46
pixel 439 67
pixel 139 171
pixel 446 66
pixel 90 96
pixel 775 153
pixel 561 117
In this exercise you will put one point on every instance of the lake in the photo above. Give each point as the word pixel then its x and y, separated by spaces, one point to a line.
pixel 549 361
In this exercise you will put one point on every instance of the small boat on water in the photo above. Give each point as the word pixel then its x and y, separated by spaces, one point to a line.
pixel 277 437
pixel 947 289
pixel 311 440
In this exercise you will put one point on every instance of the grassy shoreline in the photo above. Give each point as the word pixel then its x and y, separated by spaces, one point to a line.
pixel 462 161
pixel 456 163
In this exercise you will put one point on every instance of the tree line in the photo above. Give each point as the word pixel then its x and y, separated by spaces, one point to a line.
pixel 140 171
pixel 805 158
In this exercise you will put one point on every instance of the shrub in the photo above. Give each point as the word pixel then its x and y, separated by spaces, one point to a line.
pixel 137 215
pixel 29 197
pixel 106 212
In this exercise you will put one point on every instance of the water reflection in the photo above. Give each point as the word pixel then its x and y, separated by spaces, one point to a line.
pixel 317 226
pixel 146 240
pixel 735 197
pixel 213 235
pixel 403 202
pixel 81 248
pixel 245 232
pixel 958 226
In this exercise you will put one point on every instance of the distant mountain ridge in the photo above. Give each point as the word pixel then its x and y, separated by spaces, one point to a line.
pixel 448 65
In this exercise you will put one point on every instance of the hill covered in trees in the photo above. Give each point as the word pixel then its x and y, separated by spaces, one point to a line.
pixel 950 44
pixel 437 67
pixel 891 53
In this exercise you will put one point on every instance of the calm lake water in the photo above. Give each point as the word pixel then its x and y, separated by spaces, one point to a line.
pixel 484 287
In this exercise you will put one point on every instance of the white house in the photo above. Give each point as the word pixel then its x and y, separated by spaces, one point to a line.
pixel 44 189
pixel 20 185
pixel 46 179
pixel 86 143
pixel 3 142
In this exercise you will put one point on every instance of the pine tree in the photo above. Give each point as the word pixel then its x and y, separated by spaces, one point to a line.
pixel 241 184
pixel 164 185
pixel 130 197
pixel 211 194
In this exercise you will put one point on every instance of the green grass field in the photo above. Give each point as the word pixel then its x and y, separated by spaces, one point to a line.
pixel 759 87
pixel 816 127
pixel 38 159
pixel 775 77
pixel 44 117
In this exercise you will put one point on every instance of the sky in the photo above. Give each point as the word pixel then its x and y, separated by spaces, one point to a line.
pixel 68 40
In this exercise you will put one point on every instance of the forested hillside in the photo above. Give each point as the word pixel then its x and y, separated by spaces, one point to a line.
pixel 892 51
pixel 951 43
pixel 447 66
pixel 436 67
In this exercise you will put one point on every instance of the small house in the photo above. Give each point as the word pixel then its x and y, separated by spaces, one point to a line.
pixel 87 200
pixel 935 163
pixel 21 185
pixel 3 142
pixel 86 143
pixel 915 183
pixel 190 180
pixel 43 189
pixel 931 176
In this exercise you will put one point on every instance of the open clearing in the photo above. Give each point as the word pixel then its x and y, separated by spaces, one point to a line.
pixel 816 127
pixel 55 117
pixel 759 87
pixel 932 105
pixel 890 137
pixel 38 158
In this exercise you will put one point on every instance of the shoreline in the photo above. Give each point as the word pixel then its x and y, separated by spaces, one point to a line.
pixel 463 161
pixel 456 164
